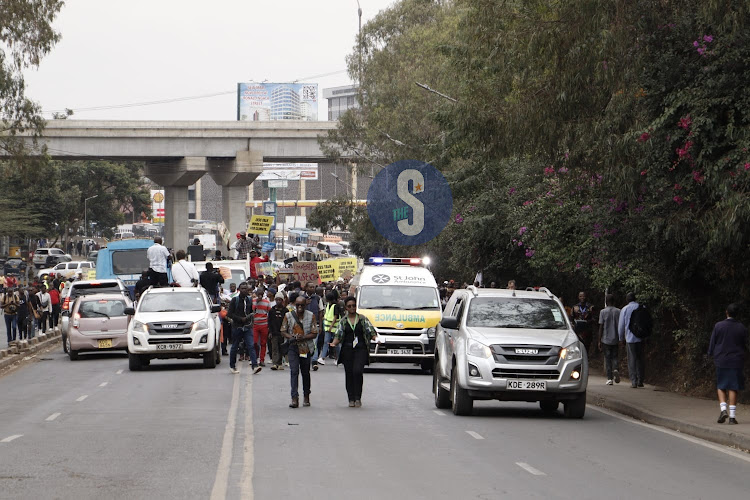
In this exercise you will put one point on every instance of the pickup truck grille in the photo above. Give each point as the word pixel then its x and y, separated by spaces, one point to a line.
pixel 516 373
pixel 526 355
pixel 167 328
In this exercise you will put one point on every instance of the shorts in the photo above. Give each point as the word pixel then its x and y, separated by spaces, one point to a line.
pixel 730 379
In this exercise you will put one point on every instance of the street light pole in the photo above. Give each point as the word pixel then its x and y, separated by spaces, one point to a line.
pixel 359 13
pixel 86 215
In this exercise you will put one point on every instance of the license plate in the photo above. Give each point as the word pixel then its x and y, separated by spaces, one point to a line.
pixel 129 282
pixel 400 351
pixel 527 385
pixel 105 343
pixel 168 347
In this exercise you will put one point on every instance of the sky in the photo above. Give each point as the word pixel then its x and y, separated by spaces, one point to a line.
pixel 120 52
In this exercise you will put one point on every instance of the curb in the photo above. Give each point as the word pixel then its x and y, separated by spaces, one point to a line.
pixel 22 349
pixel 719 436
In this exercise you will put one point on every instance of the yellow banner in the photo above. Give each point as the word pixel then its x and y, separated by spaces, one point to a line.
pixel 347 266
pixel 260 224
pixel 333 269
pixel 388 318
pixel 90 274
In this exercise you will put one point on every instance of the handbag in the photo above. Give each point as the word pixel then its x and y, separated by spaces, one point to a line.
pixel 302 345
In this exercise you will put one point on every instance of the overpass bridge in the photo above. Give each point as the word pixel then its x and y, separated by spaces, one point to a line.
pixel 179 153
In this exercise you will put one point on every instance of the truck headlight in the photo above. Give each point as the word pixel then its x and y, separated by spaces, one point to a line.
pixel 478 349
pixel 431 332
pixel 573 351
pixel 139 327
pixel 200 325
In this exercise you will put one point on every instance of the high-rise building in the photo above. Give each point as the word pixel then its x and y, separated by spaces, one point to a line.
pixel 340 99
pixel 285 104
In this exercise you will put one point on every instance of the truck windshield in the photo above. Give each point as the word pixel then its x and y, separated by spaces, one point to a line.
pixel 409 298
pixel 129 261
pixel 172 302
pixel 501 312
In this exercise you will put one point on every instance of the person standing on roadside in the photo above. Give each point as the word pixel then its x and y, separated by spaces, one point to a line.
pixel 241 312
pixel 584 320
pixel 729 348
pixel 10 306
pixel 609 318
pixel 45 307
pixel 54 297
pixel 300 327
pixel 23 313
pixel 261 306
pixel 157 261
pixel 354 334
pixel 636 354
pixel 275 320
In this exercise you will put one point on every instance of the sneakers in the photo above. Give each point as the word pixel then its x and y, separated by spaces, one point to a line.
pixel 723 417
pixel 321 361
pixel 274 367
pixel 315 367
pixel 617 376
pixel 262 364
pixel 733 421
pixel 257 370
pixel 358 404
pixel 234 370
pixel 609 382
pixel 640 384
pixel 280 367
pixel 351 404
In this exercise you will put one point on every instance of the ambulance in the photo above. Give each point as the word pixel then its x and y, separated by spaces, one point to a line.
pixel 400 298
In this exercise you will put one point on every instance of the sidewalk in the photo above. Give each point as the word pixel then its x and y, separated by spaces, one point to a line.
pixel 21 350
pixel 693 416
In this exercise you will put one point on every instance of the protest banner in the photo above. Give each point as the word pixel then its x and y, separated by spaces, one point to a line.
pixel 327 270
pixel 306 271
pixel 260 224
pixel 346 267
pixel 264 269
pixel 225 272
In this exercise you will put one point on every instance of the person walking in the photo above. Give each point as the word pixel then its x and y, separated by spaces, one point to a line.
pixel 609 318
pixel 275 320
pixel 331 318
pixel 23 313
pixel 354 334
pixel 184 272
pixel 636 355
pixel 157 261
pixel 261 306
pixel 729 348
pixel 10 306
pixel 54 296
pixel 241 312
pixel 300 327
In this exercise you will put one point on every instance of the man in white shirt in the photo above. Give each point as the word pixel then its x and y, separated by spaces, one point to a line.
pixel 157 261
pixel 183 271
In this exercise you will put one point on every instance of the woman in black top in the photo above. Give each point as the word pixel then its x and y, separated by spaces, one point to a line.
pixel 354 334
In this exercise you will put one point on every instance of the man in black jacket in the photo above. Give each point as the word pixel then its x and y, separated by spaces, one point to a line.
pixel 210 280
pixel 241 312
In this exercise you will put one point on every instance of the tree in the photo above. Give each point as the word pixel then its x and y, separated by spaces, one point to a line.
pixel 332 214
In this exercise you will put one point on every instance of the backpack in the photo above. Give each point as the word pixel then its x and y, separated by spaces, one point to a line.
pixel 641 323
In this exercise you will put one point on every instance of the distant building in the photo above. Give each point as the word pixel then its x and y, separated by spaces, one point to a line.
pixel 340 99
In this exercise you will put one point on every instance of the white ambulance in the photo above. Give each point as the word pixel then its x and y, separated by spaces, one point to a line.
pixel 400 297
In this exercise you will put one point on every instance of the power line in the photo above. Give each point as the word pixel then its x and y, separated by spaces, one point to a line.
pixel 176 99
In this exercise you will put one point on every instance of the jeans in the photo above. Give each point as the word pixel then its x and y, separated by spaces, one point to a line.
pixel 55 318
pixel 636 362
pixel 260 336
pixel 319 346
pixel 610 359
pixel 23 326
pixel 328 340
pixel 237 334
pixel 276 341
pixel 297 364
pixel 11 326
pixel 354 360
pixel 43 321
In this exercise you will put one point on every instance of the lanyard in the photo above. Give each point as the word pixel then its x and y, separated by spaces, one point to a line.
pixel 353 326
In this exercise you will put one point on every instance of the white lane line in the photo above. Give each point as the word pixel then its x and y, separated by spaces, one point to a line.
pixel 11 438
pixel 409 395
pixel 474 435
pixel 219 490
pixel 82 398
pixel 692 439
pixel 103 384
pixel 246 486
pixel 52 417
pixel 438 412
pixel 392 380
pixel 119 372
pixel 530 469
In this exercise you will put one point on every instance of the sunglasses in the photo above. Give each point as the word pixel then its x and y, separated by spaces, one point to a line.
pixel 351 305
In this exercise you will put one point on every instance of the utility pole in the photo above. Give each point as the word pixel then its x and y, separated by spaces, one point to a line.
pixel 86 215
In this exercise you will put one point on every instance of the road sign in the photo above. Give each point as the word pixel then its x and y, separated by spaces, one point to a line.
pixel 277 183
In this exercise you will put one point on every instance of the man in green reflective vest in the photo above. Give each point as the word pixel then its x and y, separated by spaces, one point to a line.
pixel 331 319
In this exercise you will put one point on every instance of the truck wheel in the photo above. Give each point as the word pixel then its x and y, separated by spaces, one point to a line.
pixel 462 404
pixel 218 354
pixel 209 359
pixel 134 362
pixel 442 397
pixel 427 365
pixel 549 406
pixel 576 408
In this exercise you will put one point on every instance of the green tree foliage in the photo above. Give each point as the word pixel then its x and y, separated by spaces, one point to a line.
pixel 590 145
pixel 332 214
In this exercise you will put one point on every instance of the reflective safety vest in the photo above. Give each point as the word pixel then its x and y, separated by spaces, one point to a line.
pixel 329 324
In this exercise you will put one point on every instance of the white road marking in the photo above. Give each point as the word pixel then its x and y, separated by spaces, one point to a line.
pixel 11 438
pixel 392 380
pixel 695 440
pixel 119 372
pixel 52 417
pixel 474 435
pixel 246 486
pixel 103 384
pixel 219 491
pixel 438 412
pixel 82 398
pixel 530 469
pixel 409 395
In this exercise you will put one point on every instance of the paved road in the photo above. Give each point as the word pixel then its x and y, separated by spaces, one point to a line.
pixel 92 429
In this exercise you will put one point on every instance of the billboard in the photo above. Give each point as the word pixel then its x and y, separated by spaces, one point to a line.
pixel 277 101
pixel 157 206
pixel 289 171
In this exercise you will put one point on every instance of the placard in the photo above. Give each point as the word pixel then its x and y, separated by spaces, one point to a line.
pixel 260 224
pixel 306 271
pixel 327 270
pixel 225 272
pixel 264 269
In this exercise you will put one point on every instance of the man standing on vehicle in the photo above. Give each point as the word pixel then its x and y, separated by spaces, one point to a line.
pixel 300 327
pixel 636 355
pixel 729 347
pixel 210 280
pixel 241 312
pixel 608 320
pixel 157 261
pixel 183 271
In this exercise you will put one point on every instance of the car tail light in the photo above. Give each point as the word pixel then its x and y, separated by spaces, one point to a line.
pixel 66 304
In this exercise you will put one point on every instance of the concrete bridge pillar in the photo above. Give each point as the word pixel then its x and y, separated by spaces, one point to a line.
pixel 234 176
pixel 175 176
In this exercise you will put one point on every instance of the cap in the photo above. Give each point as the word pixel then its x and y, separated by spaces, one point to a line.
pixel 239 235
pixel 279 295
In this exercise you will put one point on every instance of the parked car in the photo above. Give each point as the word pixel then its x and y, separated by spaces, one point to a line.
pixel 92 256
pixel 14 267
pixel 174 323
pixel 99 323
pixel 508 345
pixel 78 288
pixel 67 269
pixel 39 257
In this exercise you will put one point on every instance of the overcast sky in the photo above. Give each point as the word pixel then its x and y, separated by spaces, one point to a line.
pixel 117 52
